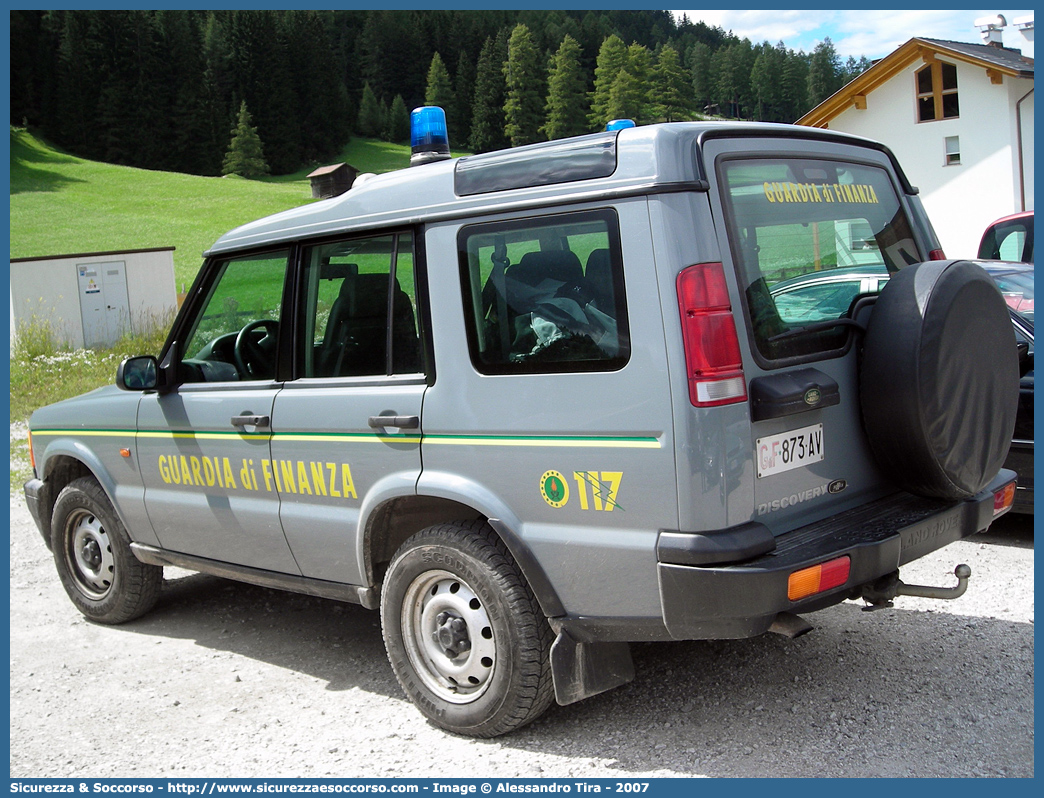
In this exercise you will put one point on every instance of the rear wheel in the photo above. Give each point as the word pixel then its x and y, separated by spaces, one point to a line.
pixel 465 635
pixel 105 581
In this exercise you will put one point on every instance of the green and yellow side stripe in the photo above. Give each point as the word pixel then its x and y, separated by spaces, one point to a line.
pixel 537 441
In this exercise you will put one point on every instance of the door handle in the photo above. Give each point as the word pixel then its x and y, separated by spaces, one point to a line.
pixel 250 421
pixel 399 422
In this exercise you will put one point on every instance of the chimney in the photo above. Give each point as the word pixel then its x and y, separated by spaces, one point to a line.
pixel 990 29
pixel 1024 25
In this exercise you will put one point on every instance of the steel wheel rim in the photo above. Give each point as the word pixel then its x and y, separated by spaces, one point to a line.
pixel 88 554
pixel 448 637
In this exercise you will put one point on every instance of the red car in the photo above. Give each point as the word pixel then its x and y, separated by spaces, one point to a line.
pixel 1009 238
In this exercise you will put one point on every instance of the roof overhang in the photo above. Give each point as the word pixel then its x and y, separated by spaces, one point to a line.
pixel 853 94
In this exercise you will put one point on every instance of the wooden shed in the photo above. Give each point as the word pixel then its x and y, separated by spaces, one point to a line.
pixel 333 180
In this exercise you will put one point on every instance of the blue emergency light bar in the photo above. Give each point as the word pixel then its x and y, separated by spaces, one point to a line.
pixel 619 124
pixel 429 140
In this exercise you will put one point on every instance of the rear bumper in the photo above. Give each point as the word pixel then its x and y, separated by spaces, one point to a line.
pixel 743 599
pixel 733 583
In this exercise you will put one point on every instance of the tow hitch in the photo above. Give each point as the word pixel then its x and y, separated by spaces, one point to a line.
pixel 879 594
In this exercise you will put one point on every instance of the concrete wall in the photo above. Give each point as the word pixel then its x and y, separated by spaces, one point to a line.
pixel 47 290
pixel 962 199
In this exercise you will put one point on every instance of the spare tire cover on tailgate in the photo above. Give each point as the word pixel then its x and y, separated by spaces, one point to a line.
pixel 939 379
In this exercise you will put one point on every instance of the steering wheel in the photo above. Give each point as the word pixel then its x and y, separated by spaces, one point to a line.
pixel 255 349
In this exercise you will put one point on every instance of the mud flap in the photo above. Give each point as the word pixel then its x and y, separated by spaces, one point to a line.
pixel 581 670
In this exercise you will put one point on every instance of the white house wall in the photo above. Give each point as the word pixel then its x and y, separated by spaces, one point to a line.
pixel 46 291
pixel 960 199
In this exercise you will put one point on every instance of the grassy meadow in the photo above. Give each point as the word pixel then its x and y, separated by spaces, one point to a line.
pixel 62 204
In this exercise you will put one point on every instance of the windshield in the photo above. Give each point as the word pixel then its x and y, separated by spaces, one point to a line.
pixel 810 237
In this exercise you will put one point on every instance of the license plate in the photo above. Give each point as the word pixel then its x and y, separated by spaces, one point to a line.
pixel 787 450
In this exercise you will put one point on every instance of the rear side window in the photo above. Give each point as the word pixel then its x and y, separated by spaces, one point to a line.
pixel 1009 240
pixel 359 307
pixel 810 237
pixel 545 295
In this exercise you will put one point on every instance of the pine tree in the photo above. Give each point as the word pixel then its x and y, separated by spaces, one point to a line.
pixel 78 85
pixel 733 65
pixel 566 93
pixel 386 53
pixel 261 74
pixel 824 72
pixel 245 155
pixel 371 121
pixel 612 57
pixel 853 68
pixel 626 97
pixel 639 64
pixel 701 58
pixel 795 86
pixel 370 50
pixel 216 93
pixel 673 89
pixel 186 144
pixel 463 91
pixel 487 116
pixel 159 74
pixel 524 103
pixel 766 85
pixel 440 87
pixel 117 115
pixel 398 124
pixel 320 93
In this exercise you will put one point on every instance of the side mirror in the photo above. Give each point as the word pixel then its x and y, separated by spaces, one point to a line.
pixel 138 373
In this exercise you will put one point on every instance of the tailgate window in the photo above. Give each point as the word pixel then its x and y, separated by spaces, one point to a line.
pixel 810 237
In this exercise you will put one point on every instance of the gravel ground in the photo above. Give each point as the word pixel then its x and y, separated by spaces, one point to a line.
pixel 230 680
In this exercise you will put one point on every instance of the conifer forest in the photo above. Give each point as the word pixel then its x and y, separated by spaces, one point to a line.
pixel 176 90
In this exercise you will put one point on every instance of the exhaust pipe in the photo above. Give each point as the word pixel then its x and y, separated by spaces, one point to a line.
pixel 790 625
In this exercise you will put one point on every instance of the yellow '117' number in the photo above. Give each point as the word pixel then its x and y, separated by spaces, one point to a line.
pixel 598 488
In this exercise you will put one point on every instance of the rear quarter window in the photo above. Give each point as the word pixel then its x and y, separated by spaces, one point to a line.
pixel 544 295
pixel 809 237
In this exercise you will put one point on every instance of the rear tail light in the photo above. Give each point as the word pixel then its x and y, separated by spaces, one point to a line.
pixel 818 579
pixel 1003 499
pixel 936 254
pixel 712 351
pixel 32 457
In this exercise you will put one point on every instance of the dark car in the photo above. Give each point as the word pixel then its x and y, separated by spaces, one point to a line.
pixel 1009 238
pixel 1015 281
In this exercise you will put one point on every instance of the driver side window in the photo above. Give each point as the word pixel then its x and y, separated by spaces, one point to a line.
pixel 234 337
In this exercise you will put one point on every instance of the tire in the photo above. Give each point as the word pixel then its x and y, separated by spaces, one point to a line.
pixel 939 381
pixel 92 553
pixel 464 633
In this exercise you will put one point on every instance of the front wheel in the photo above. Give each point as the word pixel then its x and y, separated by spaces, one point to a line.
pixel 103 578
pixel 465 635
